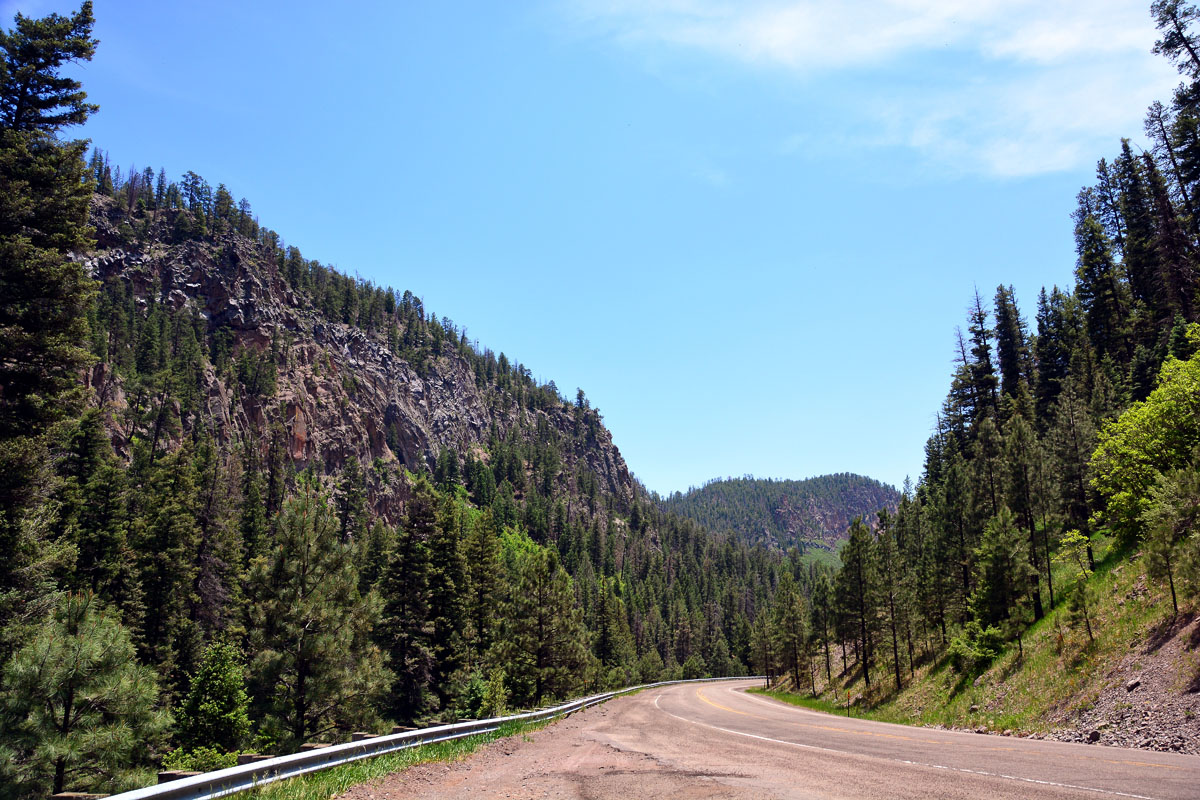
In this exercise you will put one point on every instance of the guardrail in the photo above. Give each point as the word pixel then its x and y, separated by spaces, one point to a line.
pixel 241 778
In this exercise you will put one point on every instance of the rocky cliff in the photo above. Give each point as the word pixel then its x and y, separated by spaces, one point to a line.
pixel 341 392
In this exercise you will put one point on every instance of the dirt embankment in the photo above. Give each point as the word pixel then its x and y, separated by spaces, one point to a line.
pixel 1152 697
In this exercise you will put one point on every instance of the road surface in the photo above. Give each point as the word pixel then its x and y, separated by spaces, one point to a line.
pixel 714 740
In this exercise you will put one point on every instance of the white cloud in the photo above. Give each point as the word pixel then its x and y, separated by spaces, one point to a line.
pixel 1020 87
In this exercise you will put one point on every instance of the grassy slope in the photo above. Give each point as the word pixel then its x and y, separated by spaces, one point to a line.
pixel 1060 674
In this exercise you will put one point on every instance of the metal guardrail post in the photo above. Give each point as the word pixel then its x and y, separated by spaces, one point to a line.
pixel 211 785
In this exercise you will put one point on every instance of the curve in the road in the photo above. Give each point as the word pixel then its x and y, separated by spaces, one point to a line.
pixel 1104 771
pixel 701 741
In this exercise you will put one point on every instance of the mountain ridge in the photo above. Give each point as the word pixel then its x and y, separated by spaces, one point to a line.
pixel 784 513
pixel 340 390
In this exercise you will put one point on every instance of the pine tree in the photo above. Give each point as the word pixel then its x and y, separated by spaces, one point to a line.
pixel 1021 454
pixel 1056 335
pixel 982 373
pixel 893 597
pixel 166 538
pixel 1159 126
pixel 447 587
pixel 44 296
pixel 315 669
pixel 214 712
pixel 1141 261
pixel 77 709
pixel 1178 43
pixel 821 614
pixel 612 641
pixel 788 623
pixel 762 648
pixel 1176 279
pixel 92 513
pixel 1171 522
pixel 1071 442
pixel 352 501
pixel 252 518
pixel 1012 346
pixel 1003 576
pixel 219 550
pixel 542 649
pixel 1099 289
pixel 33 95
pixel 374 555
pixel 856 593
pixel 405 627
pixel 481 551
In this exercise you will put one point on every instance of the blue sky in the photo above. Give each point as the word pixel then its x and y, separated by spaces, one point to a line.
pixel 746 229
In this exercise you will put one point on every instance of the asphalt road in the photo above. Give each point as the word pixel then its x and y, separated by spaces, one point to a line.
pixel 880 759
pixel 713 740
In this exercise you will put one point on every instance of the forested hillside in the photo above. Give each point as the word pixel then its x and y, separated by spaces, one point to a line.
pixel 809 514
pixel 1076 428
pixel 250 502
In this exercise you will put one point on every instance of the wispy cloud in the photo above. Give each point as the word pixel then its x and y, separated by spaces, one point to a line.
pixel 999 87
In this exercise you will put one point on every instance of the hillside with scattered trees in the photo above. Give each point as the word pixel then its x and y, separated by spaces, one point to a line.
pixel 812 514
pixel 249 501
pixel 1064 462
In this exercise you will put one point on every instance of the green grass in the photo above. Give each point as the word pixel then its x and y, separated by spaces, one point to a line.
pixel 336 780
pixel 1060 672
pixel 805 701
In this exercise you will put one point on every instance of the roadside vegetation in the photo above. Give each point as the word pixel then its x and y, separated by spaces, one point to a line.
pixel 332 782
pixel 1059 675
pixel 1055 527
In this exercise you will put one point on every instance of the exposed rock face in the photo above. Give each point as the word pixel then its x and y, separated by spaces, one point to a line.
pixel 340 393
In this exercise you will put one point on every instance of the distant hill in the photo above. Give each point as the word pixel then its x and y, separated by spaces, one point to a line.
pixel 782 513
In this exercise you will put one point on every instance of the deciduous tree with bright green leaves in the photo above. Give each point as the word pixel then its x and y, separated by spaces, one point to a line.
pixel 1151 437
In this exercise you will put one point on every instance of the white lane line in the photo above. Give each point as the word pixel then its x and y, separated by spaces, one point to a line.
pixel 901 760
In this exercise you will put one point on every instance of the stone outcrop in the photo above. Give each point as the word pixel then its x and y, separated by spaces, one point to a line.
pixel 340 392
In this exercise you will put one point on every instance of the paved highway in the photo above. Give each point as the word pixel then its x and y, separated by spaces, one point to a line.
pixel 715 740
pixel 880 759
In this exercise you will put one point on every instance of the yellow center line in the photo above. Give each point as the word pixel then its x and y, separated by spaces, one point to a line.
pixel 700 694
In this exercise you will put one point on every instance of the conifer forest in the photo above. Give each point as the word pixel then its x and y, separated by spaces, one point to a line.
pixel 249 501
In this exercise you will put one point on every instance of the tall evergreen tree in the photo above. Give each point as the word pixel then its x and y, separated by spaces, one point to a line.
pixel 43 294
pixel 1099 289
pixel 447 588
pixel 1021 454
pixel 405 628
pixel 481 551
pixel 1003 577
pixel 893 596
pixel 33 95
pixel 542 648
pixel 982 371
pixel 857 593
pixel 315 669
pixel 1012 345
pixel 790 632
